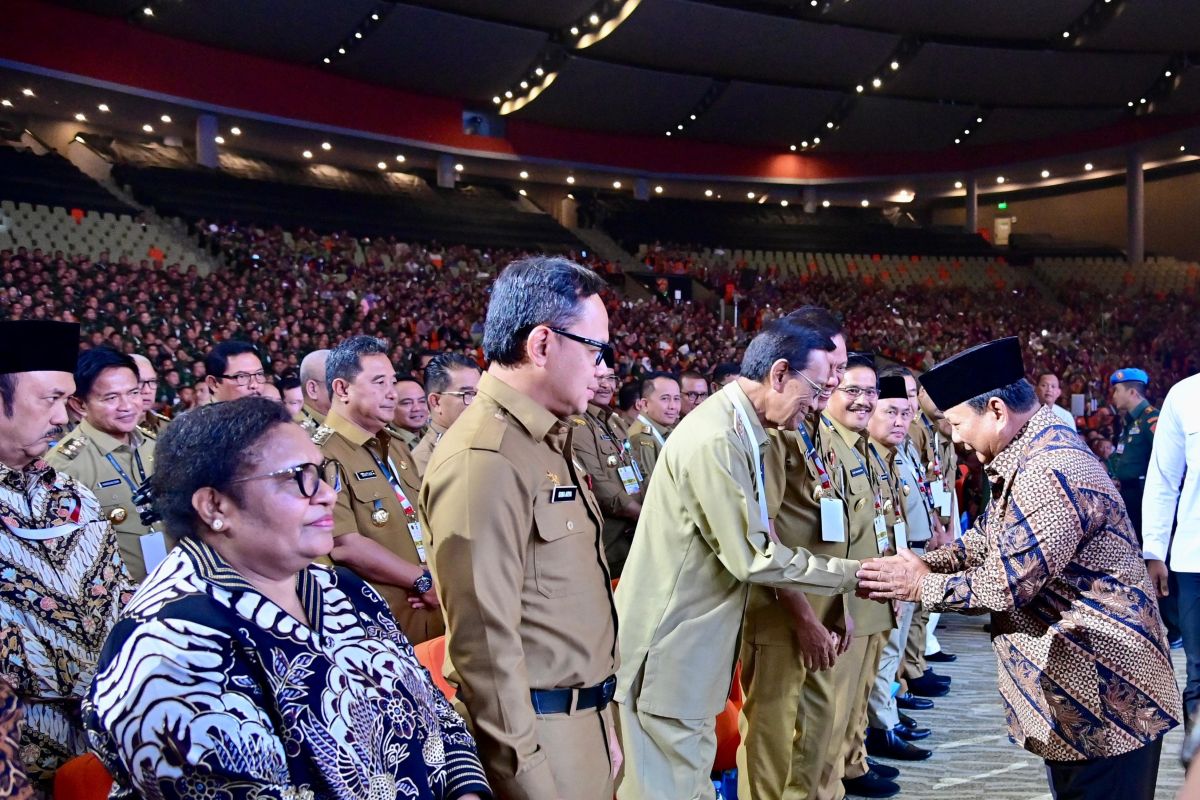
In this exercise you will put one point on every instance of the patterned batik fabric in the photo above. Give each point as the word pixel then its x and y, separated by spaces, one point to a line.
pixel 206 689
pixel 14 783
pixel 62 584
pixel 1085 668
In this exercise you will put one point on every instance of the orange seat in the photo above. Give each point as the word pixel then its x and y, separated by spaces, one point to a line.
pixel 82 778
pixel 432 655
pixel 728 738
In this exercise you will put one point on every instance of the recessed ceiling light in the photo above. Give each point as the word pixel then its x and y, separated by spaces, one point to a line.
pixel 341 51
pixel 816 140
pixel 594 19
pixel 877 83
pixel 325 59
pixel 958 141
pixel 1045 174
pixel 326 146
pixel 668 133
pixel 400 159
pixel 783 203
pixel 895 65
pixel 792 148
pixel 616 184
pixel 508 95
pixel 859 88
pixel 1167 74
pixel 522 192
pixel 80 117
pixel 375 17
pixel 148 128
pixel 979 119
pixel 219 139
pixel 458 167
pixel 574 31
pixel 148 11
pixel 865 203
pixel 539 72
pixel 829 124
pixel 708 192
pixel 999 179
pixel 382 165
pixel 27 92
pixel 6 103
pixel 571 179
pixel 235 130
pixel 358 34
pixel 804 143
pixel 1089 166
pixel 166 118
pixel 524 84
pixel 1066 34
pixel 824 204
pixel 103 108
pixel 1182 148
pixel 749 195
pixel 497 100
pixel 958 184
pixel 680 126
pixel 570 196
pixel 307 154
pixel 658 190
pixel 524 175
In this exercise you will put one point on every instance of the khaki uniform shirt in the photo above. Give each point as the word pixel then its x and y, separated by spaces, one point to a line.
pixel 604 453
pixel 310 418
pixel 515 549
pixel 82 454
pixel 646 446
pixel 424 449
pixel 154 423
pixel 700 542
pixel 408 438
pixel 366 489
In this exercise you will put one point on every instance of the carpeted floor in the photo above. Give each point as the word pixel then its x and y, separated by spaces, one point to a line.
pixel 972 756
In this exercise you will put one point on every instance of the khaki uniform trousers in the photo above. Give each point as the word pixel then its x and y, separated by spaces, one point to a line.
pixel 576 745
pixel 775 733
pixel 665 757
pixel 914 648
pixel 857 689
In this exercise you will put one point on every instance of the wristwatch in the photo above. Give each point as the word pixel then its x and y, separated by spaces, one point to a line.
pixel 424 583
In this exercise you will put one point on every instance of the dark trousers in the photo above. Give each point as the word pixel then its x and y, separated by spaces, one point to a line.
pixel 1189 625
pixel 1130 776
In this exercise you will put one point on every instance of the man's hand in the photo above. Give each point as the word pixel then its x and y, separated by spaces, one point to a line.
pixel 614 752
pixel 942 535
pixel 818 645
pixel 846 634
pixel 896 577
pixel 429 600
pixel 1158 576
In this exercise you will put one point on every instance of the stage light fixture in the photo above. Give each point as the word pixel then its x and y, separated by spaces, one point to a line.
pixel 307 154
pixel 219 139
pixel 80 118
pixel 708 192
pixel 326 146
pixel 103 108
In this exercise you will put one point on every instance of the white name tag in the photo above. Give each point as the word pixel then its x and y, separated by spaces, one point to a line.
pixel 154 549
pixel 414 530
pixel 833 519
pixel 941 498
pixel 881 534
pixel 900 532
pixel 630 479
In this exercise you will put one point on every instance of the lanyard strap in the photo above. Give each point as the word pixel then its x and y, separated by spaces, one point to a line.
pixel 389 470
pixel 653 430
pixel 815 456
pixel 886 474
pixel 919 474
pixel 759 477
pixel 937 460
pixel 137 459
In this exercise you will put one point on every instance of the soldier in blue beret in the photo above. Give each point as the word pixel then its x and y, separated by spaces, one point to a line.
pixel 1127 465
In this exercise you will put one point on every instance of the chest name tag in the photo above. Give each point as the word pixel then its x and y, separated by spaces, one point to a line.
pixel 833 519
pixel 113 482
pixel 854 473
pixel 629 479
pixel 365 474
pixel 564 494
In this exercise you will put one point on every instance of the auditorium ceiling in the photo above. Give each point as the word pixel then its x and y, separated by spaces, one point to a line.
pixel 858 75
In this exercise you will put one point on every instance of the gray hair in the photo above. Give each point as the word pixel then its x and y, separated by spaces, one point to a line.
pixel 345 360
pixel 783 338
pixel 1018 396
pixel 437 371
pixel 540 290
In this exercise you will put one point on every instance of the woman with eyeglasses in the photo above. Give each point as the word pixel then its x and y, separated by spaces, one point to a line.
pixel 243 670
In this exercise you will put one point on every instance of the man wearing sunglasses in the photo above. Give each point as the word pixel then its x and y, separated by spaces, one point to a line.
pixel 515 541
pixel 450 385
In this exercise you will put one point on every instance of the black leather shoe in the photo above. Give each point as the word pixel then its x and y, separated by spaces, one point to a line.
pixel 871 785
pixel 886 744
pixel 941 657
pixel 946 679
pixel 910 702
pixel 925 687
pixel 882 770
pixel 908 721
pixel 914 734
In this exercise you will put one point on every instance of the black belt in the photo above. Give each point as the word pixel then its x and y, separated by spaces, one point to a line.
pixel 558 701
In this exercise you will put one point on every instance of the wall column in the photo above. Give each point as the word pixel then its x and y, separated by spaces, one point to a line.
pixel 1135 207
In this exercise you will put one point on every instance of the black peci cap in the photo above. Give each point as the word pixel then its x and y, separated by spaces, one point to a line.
pixel 36 345
pixel 975 371
pixel 892 387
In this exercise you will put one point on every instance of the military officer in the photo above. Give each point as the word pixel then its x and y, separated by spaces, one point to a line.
pixel 658 411
pixel 516 547
pixel 151 420
pixel 110 455
pixel 412 411
pixel 316 390
pixel 376 530
pixel 607 457
pixel 450 384
pixel 1129 462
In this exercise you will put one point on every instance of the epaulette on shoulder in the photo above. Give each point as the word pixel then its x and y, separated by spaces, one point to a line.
pixel 149 434
pixel 490 433
pixel 309 424
pixel 71 448
pixel 321 435
pixel 578 420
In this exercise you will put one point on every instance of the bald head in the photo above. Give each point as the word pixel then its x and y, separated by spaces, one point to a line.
pixel 312 379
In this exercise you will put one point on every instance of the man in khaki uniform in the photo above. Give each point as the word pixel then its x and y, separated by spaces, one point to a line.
pixel 450 384
pixel 109 454
pixel 607 457
pixel 151 421
pixel 316 390
pixel 702 539
pixel 514 536
pixel 658 411
pixel 412 411
pixel 376 530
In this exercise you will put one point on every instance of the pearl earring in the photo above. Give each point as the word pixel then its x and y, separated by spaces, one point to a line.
pixel 218 524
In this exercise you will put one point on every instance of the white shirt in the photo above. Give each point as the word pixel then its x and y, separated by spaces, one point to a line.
pixel 1173 481
pixel 1064 415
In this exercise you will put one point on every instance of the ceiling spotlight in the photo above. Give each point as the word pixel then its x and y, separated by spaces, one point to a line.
pixel 658 190
pixel 103 108
pixel 307 154
pixel 235 130
pixel 895 65
pixel 325 59
pixel 148 11
pixel 539 72
pixel 570 196
pixel 958 184
pixel 859 88
pixel 1130 104
pixel 1167 74
pixel 829 124
pixel 326 146
pixel 594 19
pixel 508 95
pixel 616 184
pixel 400 159
pixel 341 51
pixel 166 118
pixel 80 118
pixel 816 140
pixel 27 92
pixel 999 179
pixel 524 84
pixel 6 103
pixel 693 117
pixel 1089 166
pixel 382 165
pixel 219 139
pixel 804 143
pixel 571 179
pixel 522 192
pixel 358 34
pixel 966 131
pixel 148 128
pixel 574 31
pixel 668 133
pixel 749 195
pixel 824 204
pixel 375 17
pixel 458 167
pixel 876 82
pixel 783 203
pixel 1142 101
pixel 958 141
pixel 1183 148
pixel 496 100
pixel 708 192
pixel 679 127
pixel 524 175
pixel 979 119
pixel 865 203
pixel 1045 174
pixel 792 148
pixel 1066 34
